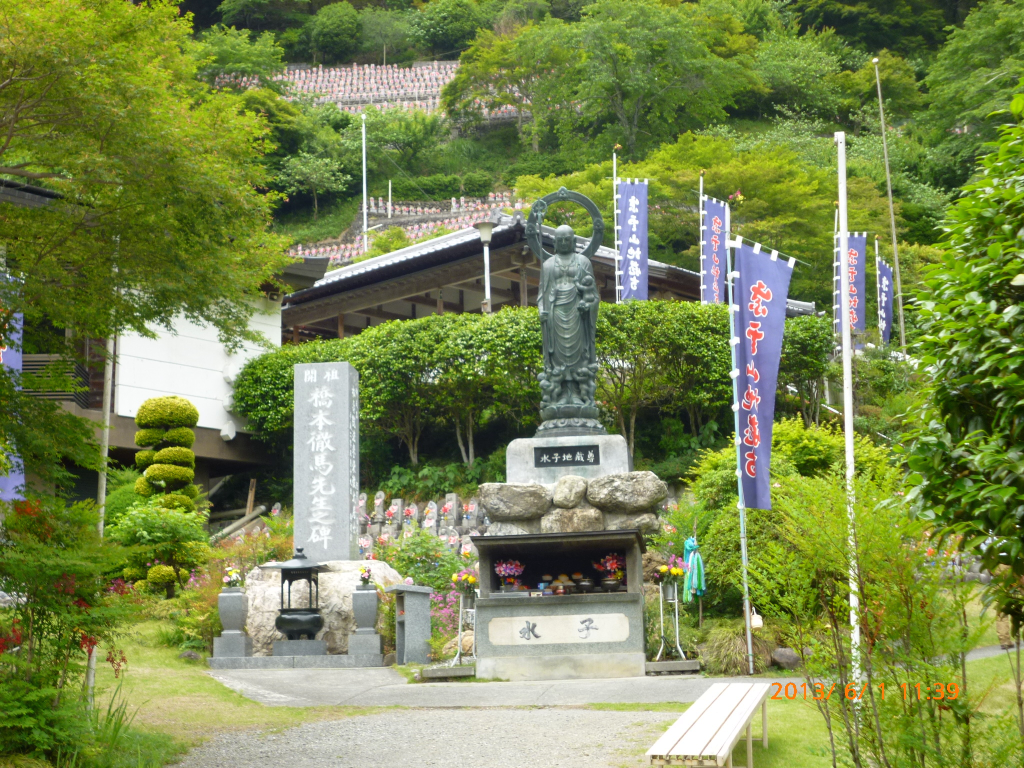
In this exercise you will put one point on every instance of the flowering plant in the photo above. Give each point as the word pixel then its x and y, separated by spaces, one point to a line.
pixel 672 572
pixel 612 565
pixel 389 513
pixel 408 513
pixel 465 581
pixel 509 570
pixel 365 574
pixel 233 577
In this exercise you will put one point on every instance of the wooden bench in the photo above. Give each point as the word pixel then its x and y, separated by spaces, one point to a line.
pixel 707 732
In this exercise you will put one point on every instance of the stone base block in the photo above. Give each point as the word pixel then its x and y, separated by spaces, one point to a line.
pixel 334 661
pixel 232 643
pixel 300 648
pixel 562 667
pixel 525 459
pixel 678 666
pixel 447 673
pixel 362 644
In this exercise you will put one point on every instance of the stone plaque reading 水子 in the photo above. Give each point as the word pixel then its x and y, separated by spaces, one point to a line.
pixel 326 468
pixel 567 456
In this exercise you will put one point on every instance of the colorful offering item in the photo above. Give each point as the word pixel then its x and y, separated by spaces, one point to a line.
pixel 509 571
pixel 612 565
pixel 365 574
pixel 465 581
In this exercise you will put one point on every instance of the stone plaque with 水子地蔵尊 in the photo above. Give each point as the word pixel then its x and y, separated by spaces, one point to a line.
pixel 567 456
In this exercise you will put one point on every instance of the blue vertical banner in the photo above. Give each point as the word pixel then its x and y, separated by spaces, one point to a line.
pixel 712 250
pixel 10 359
pixel 857 251
pixel 633 229
pixel 885 297
pixel 761 290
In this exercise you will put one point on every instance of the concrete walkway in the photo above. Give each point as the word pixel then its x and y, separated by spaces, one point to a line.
pixel 383 686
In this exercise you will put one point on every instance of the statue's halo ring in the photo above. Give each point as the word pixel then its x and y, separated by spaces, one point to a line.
pixel 536 219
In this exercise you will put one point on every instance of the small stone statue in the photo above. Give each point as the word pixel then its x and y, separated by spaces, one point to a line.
pixel 568 304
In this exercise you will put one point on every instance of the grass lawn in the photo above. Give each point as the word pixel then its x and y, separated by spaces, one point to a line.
pixel 329 224
pixel 178 698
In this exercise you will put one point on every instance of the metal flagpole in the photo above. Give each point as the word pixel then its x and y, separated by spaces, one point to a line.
pixel 700 235
pixel 389 198
pixel 365 207
pixel 892 211
pixel 847 337
pixel 615 216
pixel 733 341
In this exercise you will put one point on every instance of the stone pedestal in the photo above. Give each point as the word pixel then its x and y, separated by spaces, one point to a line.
pixel 300 648
pixel 233 607
pixel 365 639
pixel 232 644
pixel 412 624
pixel 545 459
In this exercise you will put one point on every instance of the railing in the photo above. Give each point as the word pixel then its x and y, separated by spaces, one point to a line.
pixel 78 373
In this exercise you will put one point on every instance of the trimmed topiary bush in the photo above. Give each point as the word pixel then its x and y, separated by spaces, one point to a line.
pixel 149 436
pixel 169 477
pixel 166 413
pixel 192 491
pixel 143 488
pixel 180 436
pixel 181 457
pixel 176 501
pixel 143 459
pixel 162 576
pixel 133 574
pixel 118 502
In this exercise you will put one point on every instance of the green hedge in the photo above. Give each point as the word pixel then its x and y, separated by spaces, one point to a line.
pixel 167 412
pixel 442 187
pixel 181 457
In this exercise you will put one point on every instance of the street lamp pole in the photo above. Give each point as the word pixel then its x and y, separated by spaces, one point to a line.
pixel 486 228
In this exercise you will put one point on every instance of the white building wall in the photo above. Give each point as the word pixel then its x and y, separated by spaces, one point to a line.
pixel 190 363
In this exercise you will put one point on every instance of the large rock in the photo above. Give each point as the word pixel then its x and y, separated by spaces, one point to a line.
pixel 652 560
pixel 569 491
pixel 467 644
pixel 263 588
pixel 627 493
pixel 786 658
pixel 645 523
pixel 506 502
pixel 575 520
pixel 511 529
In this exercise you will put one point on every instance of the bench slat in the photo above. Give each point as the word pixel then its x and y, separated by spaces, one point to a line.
pixel 735 726
pixel 663 747
pixel 697 742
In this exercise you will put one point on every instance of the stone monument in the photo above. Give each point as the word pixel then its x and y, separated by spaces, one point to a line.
pixel 326 467
pixel 570 440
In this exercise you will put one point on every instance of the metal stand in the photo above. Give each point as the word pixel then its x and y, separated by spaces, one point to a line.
pixel 661 622
pixel 467 616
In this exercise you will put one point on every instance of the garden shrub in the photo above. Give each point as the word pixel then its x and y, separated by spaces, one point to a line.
pixel 182 457
pixel 725 648
pixel 160 574
pixel 180 436
pixel 425 559
pixel 118 502
pixel 143 460
pixel 150 436
pixel 143 488
pixel 169 476
pixel 176 501
pixel 166 412
pixel 191 490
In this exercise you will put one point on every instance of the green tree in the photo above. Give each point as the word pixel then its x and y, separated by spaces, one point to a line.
pixel 335 32
pixel 806 346
pixel 964 456
pixel 797 72
pixel 859 101
pixel 313 175
pixel 971 82
pixel 383 29
pixel 227 55
pixel 909 27
pixel 446 26
pixel 251 14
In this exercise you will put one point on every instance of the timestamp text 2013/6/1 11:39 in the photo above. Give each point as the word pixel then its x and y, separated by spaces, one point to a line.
pixel 857 691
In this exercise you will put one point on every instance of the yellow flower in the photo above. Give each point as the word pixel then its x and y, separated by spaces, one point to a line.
pixel 663 568
pixel 471 579
pixel 455 577
pixel 677 571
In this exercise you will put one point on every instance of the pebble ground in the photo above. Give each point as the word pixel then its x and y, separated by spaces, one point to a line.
pixel 494 737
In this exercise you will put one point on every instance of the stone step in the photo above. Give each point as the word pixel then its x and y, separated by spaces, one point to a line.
pixel 444 673
pixel 673 667
pixel 327 661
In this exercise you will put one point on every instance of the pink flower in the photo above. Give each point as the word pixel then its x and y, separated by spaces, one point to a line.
pixel 408 580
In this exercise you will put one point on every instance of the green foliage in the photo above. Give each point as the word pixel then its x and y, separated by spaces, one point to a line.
pixel 383 30
pixel 446 26
pixel 168 476
pixel 160 574
pixel 184 160
pixel 143 488
pixel 964 455
pixel 118 502
pixel 335 32
pixel 725 648
pixel 797 72
pixel 315 175
pixel 971 82
pixel 425 559
pixel 391 239
pixel 167 412
pixel 807 343
pixel 179 501
pixel 191 491
pixel 151 436
pixel 910 27
pixel 227 55
pixel 180 436
pixel 182 457
pixel 52 558
pixel 144 459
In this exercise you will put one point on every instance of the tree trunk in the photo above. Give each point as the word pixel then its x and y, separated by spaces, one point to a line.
pixel 469 438
pixel 315 208
pixel 458 437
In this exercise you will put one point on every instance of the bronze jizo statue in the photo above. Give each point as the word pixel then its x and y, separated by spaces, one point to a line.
pixel 568 304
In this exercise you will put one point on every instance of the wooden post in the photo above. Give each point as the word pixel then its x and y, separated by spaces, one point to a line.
pixel 295 335
pixel 764 723
pixel 524 291
pixel 750 745
pixel 341 325
pixel 440 301
pixel 252 497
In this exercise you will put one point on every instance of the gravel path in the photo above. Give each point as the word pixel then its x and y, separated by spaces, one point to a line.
pixel 454 738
